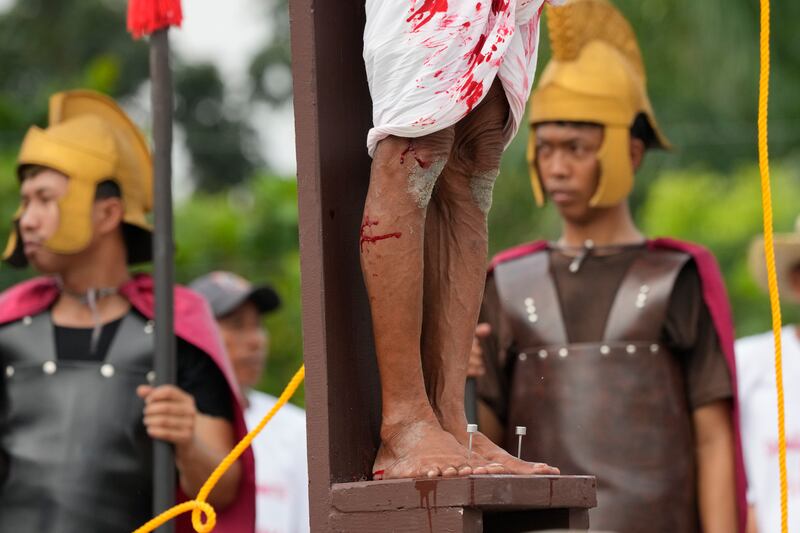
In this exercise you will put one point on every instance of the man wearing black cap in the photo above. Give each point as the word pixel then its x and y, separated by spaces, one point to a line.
pixel 281 469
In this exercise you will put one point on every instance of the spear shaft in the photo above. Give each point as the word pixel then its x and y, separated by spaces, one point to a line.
pixel 163 246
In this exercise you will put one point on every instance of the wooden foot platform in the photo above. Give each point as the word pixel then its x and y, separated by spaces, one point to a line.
pixel 507 504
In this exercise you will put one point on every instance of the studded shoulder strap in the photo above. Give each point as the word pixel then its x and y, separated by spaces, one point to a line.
pixel 641 303
pixel 529 300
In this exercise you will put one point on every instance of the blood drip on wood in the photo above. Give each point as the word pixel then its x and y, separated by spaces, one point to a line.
pixel 425 488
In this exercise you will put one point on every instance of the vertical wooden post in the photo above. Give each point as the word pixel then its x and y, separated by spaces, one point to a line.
pixel 332 117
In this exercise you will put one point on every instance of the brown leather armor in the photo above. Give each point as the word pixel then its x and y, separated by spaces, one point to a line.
pixel 616 408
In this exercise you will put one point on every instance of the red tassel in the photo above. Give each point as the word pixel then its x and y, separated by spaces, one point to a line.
pixel 147 16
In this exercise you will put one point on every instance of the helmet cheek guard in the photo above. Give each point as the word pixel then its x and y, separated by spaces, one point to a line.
pixel 533 171
pixel 616 168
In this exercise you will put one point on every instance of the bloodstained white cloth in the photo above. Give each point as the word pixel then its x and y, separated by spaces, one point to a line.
pixel 430 62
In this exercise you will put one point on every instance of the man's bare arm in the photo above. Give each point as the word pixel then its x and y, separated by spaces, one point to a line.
pixel 214 438
pixel 716 481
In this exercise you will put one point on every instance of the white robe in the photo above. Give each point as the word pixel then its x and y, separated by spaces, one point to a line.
pixel 430 62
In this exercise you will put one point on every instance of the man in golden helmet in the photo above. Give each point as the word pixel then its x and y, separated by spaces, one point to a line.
pixel 614 350
pixel 78 411
pixel 93 142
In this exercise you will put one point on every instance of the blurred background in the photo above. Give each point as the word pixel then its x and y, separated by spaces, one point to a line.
pixel 236 193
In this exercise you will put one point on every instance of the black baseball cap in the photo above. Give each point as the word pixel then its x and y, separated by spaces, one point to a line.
pixel 225 291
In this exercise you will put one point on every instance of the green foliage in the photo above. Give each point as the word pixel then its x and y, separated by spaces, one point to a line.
pixel 269 72
pixel 9 200
pixel 50 45
pixel 724 213
pixel 252 231
pixel 223 145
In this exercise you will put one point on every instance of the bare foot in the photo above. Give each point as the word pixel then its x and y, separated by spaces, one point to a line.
pixel 491 452
pixel 494 453
pixel 423 449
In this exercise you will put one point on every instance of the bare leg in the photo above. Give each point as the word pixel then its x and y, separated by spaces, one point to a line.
pixel 413 443
pixel 455 272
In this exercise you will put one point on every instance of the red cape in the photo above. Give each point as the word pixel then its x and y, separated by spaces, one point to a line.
pixel 194 324
pixel 716 300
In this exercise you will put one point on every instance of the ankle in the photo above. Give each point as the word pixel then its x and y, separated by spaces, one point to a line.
pixel 401 419
pixel 452 418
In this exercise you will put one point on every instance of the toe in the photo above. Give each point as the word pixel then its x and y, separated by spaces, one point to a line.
pixel 544 469
pixel 465 470
pixel 450 471
pixel 433 472
pixel 480 470
pixel 496 468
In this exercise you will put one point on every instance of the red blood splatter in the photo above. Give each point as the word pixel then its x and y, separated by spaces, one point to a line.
pixel 428 121
pixel 410 149
pixel 466 24
pixel 475 56
pixel 370 239
pixel 367 223
pixel 499 5
pixel 447 21
pixel 426 12
pixel 437 73
pixel 478 6
pixel 471 92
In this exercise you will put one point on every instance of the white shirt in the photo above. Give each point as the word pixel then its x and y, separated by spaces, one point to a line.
pixel 755 362
pixel 281 467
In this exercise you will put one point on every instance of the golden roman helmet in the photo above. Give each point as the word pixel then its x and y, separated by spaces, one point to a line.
pixel 90 139
pixel 597 76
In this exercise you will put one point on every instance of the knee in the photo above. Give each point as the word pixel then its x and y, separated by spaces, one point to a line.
pixel 428 157
pixel 421 159
pixel 481 185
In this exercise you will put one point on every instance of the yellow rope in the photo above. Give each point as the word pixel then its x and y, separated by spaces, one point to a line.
pixel 198 506
pixel 769 252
